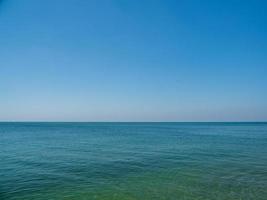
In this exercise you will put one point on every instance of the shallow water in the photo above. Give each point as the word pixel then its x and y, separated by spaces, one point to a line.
pixel 144 161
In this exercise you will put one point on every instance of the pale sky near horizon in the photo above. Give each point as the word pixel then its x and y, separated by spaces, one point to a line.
pixel 116 60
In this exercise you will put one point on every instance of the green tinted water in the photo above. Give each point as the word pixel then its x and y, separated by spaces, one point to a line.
pixel 133 161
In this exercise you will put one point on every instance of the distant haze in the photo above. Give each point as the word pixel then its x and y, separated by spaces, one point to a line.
pixel 76 60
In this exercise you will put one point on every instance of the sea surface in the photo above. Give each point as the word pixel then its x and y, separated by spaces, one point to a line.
pixel 133 161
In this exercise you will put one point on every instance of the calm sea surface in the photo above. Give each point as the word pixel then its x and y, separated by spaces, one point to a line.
pixel 133 161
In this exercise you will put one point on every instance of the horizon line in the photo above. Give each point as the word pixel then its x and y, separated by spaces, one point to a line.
pixel 133 121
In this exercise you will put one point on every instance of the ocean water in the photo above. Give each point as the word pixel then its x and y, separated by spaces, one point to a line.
pixel 133 161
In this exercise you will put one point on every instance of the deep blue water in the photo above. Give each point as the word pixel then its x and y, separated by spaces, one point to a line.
pixel 42 161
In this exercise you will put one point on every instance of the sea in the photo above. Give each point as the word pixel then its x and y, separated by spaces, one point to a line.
pixel 133 161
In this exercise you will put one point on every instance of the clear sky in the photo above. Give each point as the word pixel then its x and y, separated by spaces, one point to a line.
pixel 104 60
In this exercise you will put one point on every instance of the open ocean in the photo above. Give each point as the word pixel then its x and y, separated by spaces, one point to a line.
pixel 133 161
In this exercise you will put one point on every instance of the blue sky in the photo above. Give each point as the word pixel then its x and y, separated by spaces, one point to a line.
pixel 78 60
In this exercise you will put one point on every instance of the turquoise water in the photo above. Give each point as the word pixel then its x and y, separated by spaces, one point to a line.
pixel 144 161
